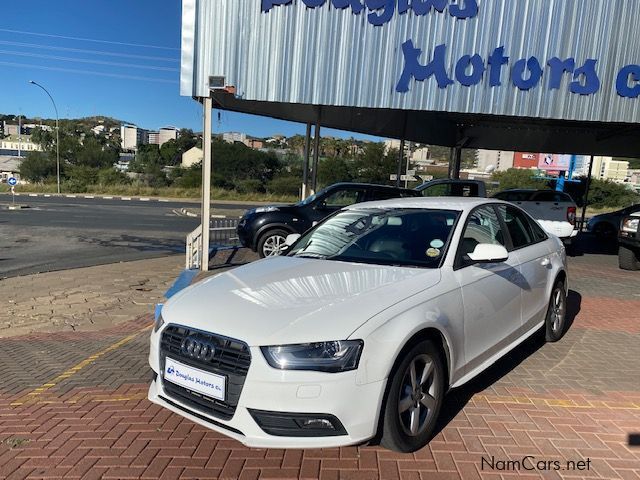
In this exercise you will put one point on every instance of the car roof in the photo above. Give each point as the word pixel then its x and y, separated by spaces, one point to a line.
pixel 435 203
pixel 366 185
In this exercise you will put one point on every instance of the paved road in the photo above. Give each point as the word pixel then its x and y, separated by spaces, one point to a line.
pixel 73 405
pixel 57 233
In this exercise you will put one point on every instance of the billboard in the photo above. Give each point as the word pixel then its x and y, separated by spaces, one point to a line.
pixel 554 163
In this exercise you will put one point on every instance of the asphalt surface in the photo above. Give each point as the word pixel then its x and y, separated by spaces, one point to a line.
pixel 57 233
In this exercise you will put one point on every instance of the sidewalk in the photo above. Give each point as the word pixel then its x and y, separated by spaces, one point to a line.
pixel 90 298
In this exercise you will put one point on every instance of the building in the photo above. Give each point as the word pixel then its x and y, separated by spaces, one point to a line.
pixel 131 137
pixel 255 144
pixel 525 160
pixel 98 130
pixel 606 168
pixel 18 146
pixel 154 138
pixel 192 157
pixel 495 160
pixel 167 133
pixel 9 167
pixel 232 137
pixel 421 156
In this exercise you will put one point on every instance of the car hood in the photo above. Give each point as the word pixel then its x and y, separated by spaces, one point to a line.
pixel 294 300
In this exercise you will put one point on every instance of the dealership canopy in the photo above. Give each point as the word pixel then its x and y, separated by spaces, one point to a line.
pixel 534 75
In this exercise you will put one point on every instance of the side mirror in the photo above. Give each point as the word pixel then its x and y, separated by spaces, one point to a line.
pixel 291 239
pixel 489 253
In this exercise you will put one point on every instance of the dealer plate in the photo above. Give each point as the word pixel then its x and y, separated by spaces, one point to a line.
pixel 195 379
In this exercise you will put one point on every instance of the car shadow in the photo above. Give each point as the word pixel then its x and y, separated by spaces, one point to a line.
pixel 458 398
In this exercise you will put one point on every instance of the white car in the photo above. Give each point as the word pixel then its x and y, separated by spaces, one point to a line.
pixel 555 211
pixel 361 329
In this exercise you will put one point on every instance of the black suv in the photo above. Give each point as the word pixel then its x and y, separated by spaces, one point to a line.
pixel 264 229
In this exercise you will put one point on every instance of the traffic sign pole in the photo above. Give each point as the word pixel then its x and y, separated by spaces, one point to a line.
pixel 12 182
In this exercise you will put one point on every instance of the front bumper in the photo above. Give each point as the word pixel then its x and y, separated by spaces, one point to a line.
pixel 245 235
pixel 629 239
pixel 338 395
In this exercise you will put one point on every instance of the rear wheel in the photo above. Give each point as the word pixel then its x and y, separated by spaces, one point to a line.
pixel 272 242
pixel 627 259
pixel 556 314
pixel 414 399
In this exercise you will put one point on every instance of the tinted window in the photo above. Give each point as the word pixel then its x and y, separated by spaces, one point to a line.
pixel 482 226
pixel 342 198
pixel 513 196
pixel 521 228
pixel 551 196
pixel 441 190
pixel 386 194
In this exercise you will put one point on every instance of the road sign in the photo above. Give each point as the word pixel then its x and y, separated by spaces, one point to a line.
pixel 411 173
pixel 12 181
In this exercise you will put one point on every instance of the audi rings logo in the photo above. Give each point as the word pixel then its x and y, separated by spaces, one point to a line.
pixel 198 349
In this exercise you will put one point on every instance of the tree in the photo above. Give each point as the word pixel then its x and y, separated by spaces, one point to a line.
pixel 518 178
pixel 37 167
pixel 334 170
pixel 92 153
pixel 373 166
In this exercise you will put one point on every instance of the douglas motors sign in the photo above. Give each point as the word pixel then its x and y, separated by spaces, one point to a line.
pixel 471 69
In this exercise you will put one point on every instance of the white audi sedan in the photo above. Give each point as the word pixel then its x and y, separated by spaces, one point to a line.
pixel 362 328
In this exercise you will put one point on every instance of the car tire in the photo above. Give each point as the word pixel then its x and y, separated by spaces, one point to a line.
pixel 412 407
pixel 271 242
pixel 627 259
pixel 556 319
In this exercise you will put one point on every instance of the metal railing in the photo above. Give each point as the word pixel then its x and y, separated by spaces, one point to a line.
pixel 222 235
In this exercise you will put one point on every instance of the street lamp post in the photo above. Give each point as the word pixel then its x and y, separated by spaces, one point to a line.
pixel 57 131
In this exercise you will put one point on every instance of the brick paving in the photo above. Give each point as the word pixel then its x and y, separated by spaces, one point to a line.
pixel 73 405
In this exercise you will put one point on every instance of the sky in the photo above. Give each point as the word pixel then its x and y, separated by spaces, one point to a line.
pixel 118 58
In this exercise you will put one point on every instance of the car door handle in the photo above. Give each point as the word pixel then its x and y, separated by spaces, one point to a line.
pixel 545 262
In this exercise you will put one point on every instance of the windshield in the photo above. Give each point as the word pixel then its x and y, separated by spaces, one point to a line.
pixel 310 198
pixel 404 237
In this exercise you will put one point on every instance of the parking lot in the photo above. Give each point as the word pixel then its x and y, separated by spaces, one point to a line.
pixel 73 405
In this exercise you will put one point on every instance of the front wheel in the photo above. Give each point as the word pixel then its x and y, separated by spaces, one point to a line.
pixel 627 259
pixel 272 243
pixel 556 314
pixel 414 399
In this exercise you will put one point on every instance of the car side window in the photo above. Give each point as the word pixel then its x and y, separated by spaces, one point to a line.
pixel 482 226
pixel 341 198
pixel 385 194
pixel 521 229
pixel 440 190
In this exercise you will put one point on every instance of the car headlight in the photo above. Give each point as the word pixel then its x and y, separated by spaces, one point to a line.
pixel 630 225
pixel 266 209
pixel 158 323
pixel 334 356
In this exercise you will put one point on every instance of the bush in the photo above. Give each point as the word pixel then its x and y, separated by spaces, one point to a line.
pixel 250 186
pixel 111 176
pixel 285 186
pixel 74 186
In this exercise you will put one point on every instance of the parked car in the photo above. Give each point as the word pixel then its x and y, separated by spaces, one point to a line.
pixel 607 225
pixel 555 211
pixel 447 187
pixel 362 327
pixel 264 229
pixel 629 243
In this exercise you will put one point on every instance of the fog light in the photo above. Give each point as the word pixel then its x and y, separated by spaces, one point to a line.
pixel 318 423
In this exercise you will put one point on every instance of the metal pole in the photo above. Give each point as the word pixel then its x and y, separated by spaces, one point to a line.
pixel 57 131
pixel 316 154
pixel 305 162
pixel 457 163
pixel 19 135
pixel 207 105
pixel 400 160
pixel 586 194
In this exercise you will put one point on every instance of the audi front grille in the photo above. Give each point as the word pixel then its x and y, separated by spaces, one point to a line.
pixel 228 357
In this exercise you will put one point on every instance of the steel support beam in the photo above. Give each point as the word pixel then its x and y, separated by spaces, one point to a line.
pixel 206 183
pixel 316 156
pixel 305 162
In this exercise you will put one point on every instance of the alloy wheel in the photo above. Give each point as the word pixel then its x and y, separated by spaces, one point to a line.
pixel 273 246
pixel 558 310
pixel 417 402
